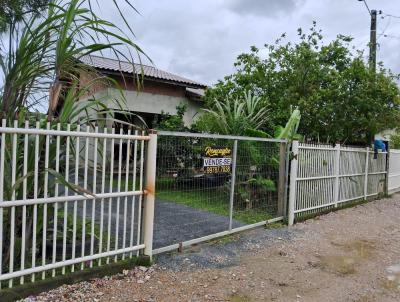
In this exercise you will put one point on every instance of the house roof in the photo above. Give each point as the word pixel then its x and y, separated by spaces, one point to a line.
pixel 149 72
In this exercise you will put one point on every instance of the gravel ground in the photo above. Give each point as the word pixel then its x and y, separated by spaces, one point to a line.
pixel 349 255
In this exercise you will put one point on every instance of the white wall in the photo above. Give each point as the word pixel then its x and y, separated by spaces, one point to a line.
pixel 154 103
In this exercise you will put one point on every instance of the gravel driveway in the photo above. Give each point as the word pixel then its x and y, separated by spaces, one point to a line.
pixel 349 255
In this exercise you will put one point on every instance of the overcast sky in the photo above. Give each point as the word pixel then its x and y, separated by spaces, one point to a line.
pixel 201 39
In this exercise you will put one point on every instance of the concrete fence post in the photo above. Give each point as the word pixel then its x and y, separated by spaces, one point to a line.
pixel 293 181
pixel 150 184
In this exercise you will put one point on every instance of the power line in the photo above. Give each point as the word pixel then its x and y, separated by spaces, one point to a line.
pixel 384 30
pixel 392 16
pixel 391 36
pixel 366 5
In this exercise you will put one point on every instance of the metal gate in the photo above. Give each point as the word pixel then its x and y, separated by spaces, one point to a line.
pixel 213 185
pixel 71 197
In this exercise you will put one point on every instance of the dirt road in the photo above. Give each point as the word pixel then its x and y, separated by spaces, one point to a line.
pixel 349 255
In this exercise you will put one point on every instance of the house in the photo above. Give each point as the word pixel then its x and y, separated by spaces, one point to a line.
pixel 160 90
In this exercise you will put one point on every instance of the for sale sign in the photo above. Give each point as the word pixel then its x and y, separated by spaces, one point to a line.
pixel 217 160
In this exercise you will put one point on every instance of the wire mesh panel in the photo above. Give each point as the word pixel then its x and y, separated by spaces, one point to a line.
pixel 70 198
pixel 256 184
pixel 196 195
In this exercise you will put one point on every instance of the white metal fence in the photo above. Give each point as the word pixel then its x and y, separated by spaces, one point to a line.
pixel 71 198
pixel 394 171
pixel 323 176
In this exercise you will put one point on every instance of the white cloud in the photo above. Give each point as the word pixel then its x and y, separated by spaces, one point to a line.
pixel 201 39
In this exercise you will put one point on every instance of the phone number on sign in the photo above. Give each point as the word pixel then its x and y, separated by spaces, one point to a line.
pixel 218 169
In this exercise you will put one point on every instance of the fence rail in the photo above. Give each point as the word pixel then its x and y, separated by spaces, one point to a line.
pixel 70 198
pixel 323 176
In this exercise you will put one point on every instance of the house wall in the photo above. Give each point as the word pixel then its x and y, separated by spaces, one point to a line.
pixel 155 103
pixel 153 97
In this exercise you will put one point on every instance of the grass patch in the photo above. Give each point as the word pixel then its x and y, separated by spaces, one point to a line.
pixel 214 200
pixel 225 239
pixel 275 225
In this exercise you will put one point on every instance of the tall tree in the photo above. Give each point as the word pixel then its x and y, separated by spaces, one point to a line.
pixel 12 11
pixel 339 97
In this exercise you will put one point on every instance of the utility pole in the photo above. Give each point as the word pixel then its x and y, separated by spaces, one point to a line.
pixel 372 42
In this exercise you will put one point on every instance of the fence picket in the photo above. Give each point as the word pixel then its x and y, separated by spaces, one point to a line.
pixel 12 214
pixel 118 198
pixel 45 193
pixel 85 187
pixel 127 171
pixel 24 196
pixel 75 214
pixel 135 150
pixel 96 130
pixel 65 220
pixel 35 196
pixel 55 217
pixel 110 201
pixel 103 183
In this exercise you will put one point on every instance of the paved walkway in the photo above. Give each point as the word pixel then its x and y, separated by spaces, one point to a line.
pixel 174 222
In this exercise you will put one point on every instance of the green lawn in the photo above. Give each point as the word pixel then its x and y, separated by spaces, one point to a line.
pixel 214 200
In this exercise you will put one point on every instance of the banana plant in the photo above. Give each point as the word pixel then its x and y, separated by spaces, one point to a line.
pixel 289 132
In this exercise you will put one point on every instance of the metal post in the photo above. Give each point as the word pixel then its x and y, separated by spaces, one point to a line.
pixel 366 174
pixel 282 180
pixel 293 181
pixel 287 167
pixel 337 175
pixel 372 42
pixel 233 179
pixel 150 182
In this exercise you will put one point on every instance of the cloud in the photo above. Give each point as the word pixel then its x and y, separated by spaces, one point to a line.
pixel 260 7
pixel 201 39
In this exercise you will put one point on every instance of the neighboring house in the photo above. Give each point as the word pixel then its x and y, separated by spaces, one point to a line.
pixel 161 91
